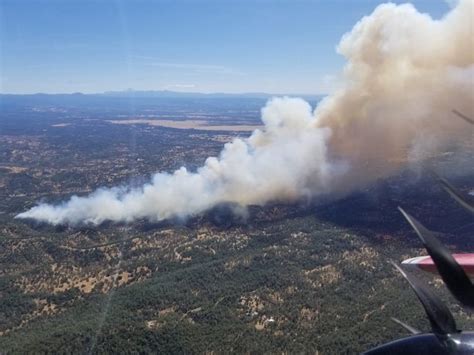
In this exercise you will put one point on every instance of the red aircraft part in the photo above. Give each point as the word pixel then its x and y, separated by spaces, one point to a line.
pixel 425 263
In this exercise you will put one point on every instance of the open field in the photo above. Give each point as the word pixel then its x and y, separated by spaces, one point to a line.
pixel 189 124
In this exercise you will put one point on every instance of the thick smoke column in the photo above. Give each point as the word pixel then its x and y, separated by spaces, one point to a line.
pixel 405 73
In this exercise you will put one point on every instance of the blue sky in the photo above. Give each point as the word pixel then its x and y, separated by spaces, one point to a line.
pixel 279 46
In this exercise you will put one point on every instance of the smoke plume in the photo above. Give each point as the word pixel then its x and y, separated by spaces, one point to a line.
pixel 405 72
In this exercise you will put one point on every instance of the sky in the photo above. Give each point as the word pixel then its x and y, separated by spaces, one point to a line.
pixel 232 46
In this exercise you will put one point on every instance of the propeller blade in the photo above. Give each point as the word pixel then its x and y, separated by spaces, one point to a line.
pixel 441 319
pixel 450 271
pixel 464 117
pixel 457 195
pixel 406 326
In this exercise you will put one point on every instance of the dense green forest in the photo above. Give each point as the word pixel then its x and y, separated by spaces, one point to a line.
pixel 306 277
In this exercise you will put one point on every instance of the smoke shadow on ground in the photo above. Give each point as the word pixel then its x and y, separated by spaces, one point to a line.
pixel 373 211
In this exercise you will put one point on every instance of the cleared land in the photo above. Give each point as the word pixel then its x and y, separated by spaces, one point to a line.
pixel 188 124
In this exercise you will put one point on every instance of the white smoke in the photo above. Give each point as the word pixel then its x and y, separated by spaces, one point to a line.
pixel 405 73
pixel 279 162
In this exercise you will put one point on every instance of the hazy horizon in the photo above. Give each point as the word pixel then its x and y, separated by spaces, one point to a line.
pixel 200 47
pixel 156 91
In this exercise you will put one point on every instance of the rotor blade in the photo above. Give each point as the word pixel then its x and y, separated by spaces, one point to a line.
pixel 457 195
pixel 450 271
pixel 406 326
pixel 441 319
pixel 464 117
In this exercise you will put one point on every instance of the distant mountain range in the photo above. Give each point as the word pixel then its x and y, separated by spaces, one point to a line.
pixel 136 100
pixel 167 93
pixel 159 94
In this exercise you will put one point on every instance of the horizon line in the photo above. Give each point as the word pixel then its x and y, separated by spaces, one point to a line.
pixel 131 91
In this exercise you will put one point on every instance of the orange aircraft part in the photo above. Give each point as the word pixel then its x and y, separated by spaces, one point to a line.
pixel 425 263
